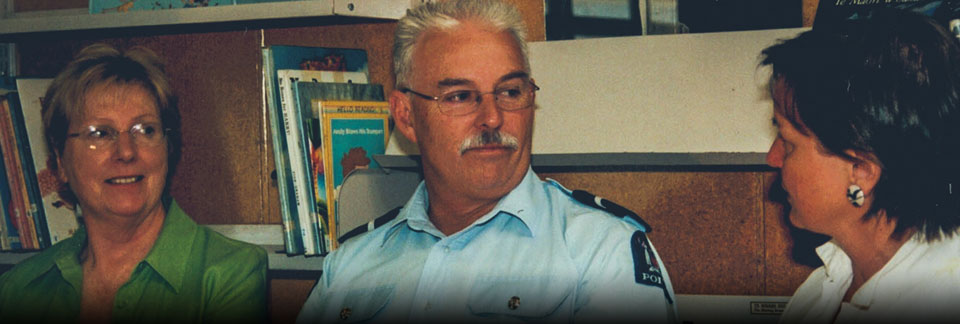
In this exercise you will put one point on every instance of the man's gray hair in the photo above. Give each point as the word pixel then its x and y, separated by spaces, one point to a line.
pixel 446 15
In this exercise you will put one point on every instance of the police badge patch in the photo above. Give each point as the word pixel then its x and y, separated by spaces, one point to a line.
pixel 646 267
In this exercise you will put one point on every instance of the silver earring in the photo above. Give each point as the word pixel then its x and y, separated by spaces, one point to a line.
pixel 855 195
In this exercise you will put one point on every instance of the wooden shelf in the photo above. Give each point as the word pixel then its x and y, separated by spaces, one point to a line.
pixel 80 19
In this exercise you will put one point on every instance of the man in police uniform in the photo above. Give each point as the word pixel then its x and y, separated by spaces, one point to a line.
pixel 483 238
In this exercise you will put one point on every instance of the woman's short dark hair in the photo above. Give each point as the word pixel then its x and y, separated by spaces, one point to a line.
pixel 888 87
pixel 99 65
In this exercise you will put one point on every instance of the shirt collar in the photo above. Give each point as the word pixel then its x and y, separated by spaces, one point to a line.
pixel 67 258
pixel 167 257
pixel 517 203
pixel 169 254
pixel 838 267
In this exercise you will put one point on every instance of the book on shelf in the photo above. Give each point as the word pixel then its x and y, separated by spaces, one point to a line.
pixel 9 234
pixel 306 92
pixel 302 147
pixel 352 132
pixel 22 209
pixel 292 241
pixel 831 12
pixel 286 57
pixel 59 217
pixel 111 6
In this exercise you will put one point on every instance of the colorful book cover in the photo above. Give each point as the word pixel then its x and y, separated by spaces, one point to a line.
pixel 834 11
pixel 109 6
pixel 307 92
pixel 29 195
pixel 9 236
pixel 353 131
pixel 276 57
pixel 302 110
pixel 59 216
pixel 17 206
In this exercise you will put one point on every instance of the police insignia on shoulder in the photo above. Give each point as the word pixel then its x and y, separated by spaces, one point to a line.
pixel 647 268
pixel 594 201
pixel 389 216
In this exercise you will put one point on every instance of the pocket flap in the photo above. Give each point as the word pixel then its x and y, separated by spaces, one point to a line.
pixel 530 298
pixel 362 304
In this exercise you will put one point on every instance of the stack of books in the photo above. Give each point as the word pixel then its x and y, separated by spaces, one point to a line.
pixel 34 216
pixel 326 120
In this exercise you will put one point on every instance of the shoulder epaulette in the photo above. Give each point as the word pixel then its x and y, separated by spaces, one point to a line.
pixel 592 200
pixel 389 216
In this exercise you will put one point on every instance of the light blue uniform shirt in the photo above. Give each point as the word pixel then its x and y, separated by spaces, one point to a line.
pixel 538 255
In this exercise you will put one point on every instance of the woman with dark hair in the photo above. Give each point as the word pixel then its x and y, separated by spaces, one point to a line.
pixel 111 121
pixel 869 155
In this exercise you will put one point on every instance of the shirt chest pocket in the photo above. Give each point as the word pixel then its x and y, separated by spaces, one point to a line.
pixel 529 298
pixel 360 305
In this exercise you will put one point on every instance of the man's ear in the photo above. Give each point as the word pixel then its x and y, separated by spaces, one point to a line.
pixel 402 111
pixel 866 170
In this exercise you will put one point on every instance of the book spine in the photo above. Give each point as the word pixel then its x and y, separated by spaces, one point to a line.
pixel 328 177
pixel 293 244
pixel 305 111
pixel 5 229
pixel 297 169
pixel 18 201
pixel 304 146
pixel 36 210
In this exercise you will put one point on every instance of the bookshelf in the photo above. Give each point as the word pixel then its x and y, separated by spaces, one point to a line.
pixel 68 20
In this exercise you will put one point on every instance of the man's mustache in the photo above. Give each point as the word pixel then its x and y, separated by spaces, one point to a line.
pixel 494 137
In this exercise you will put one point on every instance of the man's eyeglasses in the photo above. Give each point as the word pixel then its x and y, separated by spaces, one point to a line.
pixel 103 137
pixel 509 96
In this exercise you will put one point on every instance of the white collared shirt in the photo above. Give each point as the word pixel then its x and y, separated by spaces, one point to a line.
pixel 920 284
pixel 539 255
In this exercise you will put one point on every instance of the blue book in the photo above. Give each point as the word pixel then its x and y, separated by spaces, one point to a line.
pixel 305 92
pixel 111 6
pixel 280 57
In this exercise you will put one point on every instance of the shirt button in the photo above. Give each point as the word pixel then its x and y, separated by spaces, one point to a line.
pixel 345 313
pixel 446 249
pixel 513 303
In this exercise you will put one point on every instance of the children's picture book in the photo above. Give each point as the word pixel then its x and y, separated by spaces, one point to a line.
pixel 830 12
pixel 18 206
pixel 59 215
pixel 353 131
pixel 29 193
pixel 309 215
pixel 110 6
pixel 277 57
pixel 306 92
